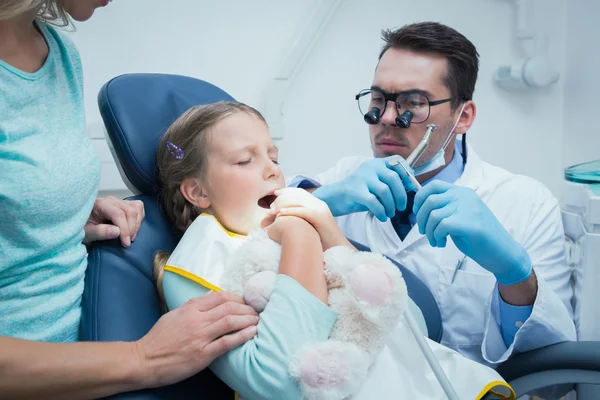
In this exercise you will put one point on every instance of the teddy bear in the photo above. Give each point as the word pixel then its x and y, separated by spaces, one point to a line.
pixel 365 289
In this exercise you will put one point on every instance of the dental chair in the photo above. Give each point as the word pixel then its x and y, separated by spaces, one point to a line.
pixel 120 302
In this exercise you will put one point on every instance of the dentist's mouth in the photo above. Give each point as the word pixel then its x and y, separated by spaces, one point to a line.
pixel 265 202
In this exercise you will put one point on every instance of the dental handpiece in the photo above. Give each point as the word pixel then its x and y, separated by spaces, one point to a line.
pixel 421 147
pixel 397 161
pixel 414 156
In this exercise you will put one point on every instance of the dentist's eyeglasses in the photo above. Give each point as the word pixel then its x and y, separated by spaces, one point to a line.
pixel 414 101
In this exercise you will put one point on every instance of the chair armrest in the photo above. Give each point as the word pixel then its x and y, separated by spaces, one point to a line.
pixel 560 356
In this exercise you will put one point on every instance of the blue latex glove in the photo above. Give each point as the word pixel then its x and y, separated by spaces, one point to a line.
pixel 375 186
pixel 443 209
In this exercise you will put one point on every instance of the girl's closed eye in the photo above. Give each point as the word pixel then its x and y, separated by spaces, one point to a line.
pixel 244 162
pixel 275 161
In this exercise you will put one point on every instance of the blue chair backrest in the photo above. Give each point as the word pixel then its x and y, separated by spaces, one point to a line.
pixel 120 302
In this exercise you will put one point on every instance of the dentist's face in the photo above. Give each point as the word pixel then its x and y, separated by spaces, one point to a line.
pixel 404 70
pixel 82 10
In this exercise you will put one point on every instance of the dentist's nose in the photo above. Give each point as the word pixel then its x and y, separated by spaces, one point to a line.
pixel 388 118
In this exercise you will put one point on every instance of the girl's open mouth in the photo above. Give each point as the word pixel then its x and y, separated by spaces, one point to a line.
pixel 265 202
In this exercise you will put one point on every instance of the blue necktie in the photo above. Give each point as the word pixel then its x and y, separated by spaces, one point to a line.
pixel 401 221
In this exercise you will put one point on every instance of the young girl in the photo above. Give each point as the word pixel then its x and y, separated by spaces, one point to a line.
pixel 220 181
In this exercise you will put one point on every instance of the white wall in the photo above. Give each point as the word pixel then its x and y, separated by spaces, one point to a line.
pixel 237 45
pixel 582 83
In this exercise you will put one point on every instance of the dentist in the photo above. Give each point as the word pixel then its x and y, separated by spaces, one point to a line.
pixel 489 244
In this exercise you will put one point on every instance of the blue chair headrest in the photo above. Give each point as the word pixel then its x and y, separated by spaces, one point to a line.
pixel 134 131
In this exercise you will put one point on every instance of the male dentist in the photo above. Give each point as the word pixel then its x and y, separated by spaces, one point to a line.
pixel 489 244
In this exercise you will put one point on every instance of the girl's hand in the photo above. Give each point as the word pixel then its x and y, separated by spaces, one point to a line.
pixel 288 226
pixel 300 203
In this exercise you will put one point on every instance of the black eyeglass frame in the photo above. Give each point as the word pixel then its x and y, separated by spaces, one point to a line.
pixel 394 96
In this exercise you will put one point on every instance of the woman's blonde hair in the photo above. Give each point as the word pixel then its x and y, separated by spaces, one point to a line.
pixel 48 11
pixel 182 154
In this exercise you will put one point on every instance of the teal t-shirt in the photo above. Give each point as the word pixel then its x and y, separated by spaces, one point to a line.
pixel 49 177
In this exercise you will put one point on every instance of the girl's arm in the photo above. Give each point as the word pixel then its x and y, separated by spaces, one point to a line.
pixel 296 315
pixel 301 254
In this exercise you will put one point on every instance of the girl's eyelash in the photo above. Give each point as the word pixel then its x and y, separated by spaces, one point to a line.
pixel 248 161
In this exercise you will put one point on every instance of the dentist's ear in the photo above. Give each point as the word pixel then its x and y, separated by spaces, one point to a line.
pixel 194 192
pixel 466 119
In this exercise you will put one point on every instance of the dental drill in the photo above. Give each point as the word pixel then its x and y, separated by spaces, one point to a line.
pixel 414 156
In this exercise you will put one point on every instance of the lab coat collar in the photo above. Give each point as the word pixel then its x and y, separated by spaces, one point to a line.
pixel 472 175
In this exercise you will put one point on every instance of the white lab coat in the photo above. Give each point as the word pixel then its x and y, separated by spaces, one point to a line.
pixel 469 306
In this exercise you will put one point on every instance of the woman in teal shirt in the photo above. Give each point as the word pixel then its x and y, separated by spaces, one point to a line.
pixel 49 178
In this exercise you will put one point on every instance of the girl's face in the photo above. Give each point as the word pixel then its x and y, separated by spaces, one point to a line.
pixel 241 174
pixel 82 10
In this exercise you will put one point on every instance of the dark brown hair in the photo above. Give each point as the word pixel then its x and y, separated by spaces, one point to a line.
pixel 433 37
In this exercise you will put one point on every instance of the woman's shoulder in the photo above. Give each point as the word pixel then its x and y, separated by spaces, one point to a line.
pixel 60 36
pixel 61 45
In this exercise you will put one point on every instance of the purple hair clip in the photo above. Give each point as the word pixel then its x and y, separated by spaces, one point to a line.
pixel 174 150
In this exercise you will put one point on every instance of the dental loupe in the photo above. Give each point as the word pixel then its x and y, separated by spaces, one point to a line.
pixel 403 120
pixel 372 117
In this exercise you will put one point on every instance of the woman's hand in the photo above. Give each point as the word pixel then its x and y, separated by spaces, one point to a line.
pixel 181 344
pixel 111 218
pixel 300 203
pixel 186 340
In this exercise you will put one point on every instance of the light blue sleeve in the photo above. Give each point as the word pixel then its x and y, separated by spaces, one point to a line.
pixel 303 182
pixel 511 319
pixel 259 368
pixel 178 289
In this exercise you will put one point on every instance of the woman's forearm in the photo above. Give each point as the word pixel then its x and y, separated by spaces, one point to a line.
pixel 35 370
pixel 302 260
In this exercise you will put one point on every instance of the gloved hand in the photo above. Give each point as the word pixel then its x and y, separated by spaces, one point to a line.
pixel 443 209
pixel 375 186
